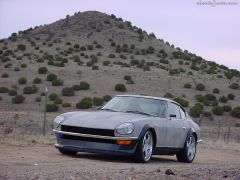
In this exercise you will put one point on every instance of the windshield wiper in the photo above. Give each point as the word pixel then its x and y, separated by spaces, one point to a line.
pixel 139 112
pixel 107 109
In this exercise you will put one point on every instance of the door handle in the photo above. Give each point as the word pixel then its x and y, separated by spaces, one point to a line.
pixel 183 127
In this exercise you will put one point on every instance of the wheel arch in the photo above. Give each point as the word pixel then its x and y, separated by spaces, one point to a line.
pixel 144 130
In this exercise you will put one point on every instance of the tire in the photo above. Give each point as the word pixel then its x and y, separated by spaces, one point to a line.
pixel 188 153
pixel 144 149
pixel 67 152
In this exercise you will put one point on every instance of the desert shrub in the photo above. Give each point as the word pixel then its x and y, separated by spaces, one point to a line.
pixel 111 56
pixel 90 47
pixel 12 92
pixel 187 86
pixel 5 75
pixel 196 110
pixel 37 80
pixel 16 69
pixel 95 67
pixel 106 98
pixel 82 48
pixel 85 103
pixel 57 82
pixel 22 80
pixel 51 77
pixel 130 82
pixel 210 97
pixel 97 101
pixel 146 68
pixel 216 91
pixel 127 77
pixel 23 65
pixel 68 91
pixel 223 99
pixel 181 101
pixel 237 125
pixel 168 95
pixel 76 87
pixel 66 105
pixel 234 86
pixel 227 108
pixel 120 88
pixel 18 99
pixel 217 110
pixel 231 96
pixel 207 114
pixel 53 96
pixel 199 97
pixel 21 47
pixel 235 112
pixel 58 101
pixel 4 90
pixel 42 70
pixel 52 108
pixel 84 85
pixel 38 99
pixel 106 63
pixel 200 87
pixel 30 89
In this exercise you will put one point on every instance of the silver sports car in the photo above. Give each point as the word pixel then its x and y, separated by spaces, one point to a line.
pixel 138 126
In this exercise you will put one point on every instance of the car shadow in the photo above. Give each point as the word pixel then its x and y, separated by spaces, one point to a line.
pixel 122 159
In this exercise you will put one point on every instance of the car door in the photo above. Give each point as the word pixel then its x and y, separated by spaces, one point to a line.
pixel 176 129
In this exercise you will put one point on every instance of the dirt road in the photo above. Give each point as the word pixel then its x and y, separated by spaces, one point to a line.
pixel 45 162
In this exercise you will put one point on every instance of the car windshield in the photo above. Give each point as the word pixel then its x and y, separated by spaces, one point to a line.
pixel 138 105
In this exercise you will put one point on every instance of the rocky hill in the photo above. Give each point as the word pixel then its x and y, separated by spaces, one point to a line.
pixel 89 53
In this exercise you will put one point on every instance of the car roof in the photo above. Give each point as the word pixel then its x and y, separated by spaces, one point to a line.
pixel 149 97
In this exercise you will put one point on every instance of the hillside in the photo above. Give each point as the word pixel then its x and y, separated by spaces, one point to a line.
pixel 101 51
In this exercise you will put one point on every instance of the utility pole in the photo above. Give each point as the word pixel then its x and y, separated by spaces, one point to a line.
pixel 45 111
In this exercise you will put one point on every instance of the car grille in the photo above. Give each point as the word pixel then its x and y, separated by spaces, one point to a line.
pixel 83 130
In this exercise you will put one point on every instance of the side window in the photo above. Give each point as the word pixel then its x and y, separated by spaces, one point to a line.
pixel 173 109
pixel 183 115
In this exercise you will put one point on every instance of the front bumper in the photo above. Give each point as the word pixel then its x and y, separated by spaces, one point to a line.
pixel 94 143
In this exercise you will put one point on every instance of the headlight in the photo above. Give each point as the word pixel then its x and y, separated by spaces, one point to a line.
pixel 57 121
pixel 126 128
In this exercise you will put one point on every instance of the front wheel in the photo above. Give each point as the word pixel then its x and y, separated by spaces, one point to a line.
pixel 145 148
pixel 187 154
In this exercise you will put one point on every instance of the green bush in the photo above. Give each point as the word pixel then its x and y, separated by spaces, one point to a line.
pixel 37 80
pixel 5 75
pixel 30 89
pixel 51 77
pixel 181 101
pixel 4 90
pixel 76 87
pixel 106 63
pixel 127 77
pixel 199 97
pixel 21 47
pixel 85 103
pixel 217 110
pixel 120 88
pixel 130 82
pixel 57 82
pixel 227 108
pixel 66 105
pixel 23 65
pixel 210 97
pixel 84 85
pixel 18 99
pixel 231 96
pixel 95 67
pixel 200 87
pixel 68 91
pixel 12 92
pixel 97 101
pixel 187 86
pixel 234 86
pixel 216 91
pixel 22 80
pixel 58 101
pixel 223 99
pixel 236 112
pixel 106 98
pixel 53 96
pixel 168 95
pixel 42 70
pixel 196 110
pixel 52 108
pixel 111 56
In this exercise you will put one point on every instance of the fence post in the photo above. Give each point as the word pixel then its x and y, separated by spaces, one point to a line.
pixel 45 111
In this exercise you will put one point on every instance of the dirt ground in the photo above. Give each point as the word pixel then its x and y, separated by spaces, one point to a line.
pixel 40 161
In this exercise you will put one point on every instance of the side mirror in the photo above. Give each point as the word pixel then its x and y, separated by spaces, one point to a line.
pixel 173 116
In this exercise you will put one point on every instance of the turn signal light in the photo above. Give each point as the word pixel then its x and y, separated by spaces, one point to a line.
pixel 124 142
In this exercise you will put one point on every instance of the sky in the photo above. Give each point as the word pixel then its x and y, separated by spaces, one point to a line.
pixel 204 27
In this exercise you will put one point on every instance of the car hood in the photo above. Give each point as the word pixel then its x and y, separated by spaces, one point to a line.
pixel 100 119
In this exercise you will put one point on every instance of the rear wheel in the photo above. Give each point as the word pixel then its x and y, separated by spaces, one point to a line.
pixel 67 152
pixel 187 154
pixel 145 148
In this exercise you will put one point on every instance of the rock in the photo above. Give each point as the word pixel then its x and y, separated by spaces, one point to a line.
pixel 169 172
